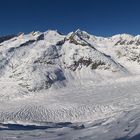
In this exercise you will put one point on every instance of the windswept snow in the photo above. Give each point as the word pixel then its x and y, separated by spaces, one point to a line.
pixel 91 82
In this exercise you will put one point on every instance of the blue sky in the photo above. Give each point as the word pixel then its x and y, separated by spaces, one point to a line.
pixel 98 17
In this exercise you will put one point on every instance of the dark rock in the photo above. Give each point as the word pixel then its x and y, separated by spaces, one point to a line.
pixel 5 38
pixel 40 37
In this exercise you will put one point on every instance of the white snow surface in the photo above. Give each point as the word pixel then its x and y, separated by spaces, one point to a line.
pixel 70 87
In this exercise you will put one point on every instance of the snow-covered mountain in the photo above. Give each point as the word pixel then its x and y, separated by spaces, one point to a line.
pixel 78 77
pixel 38 60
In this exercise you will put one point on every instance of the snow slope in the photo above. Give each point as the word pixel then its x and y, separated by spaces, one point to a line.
pixel 77 78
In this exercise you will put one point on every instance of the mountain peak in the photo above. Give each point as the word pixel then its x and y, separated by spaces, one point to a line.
pixel 49 58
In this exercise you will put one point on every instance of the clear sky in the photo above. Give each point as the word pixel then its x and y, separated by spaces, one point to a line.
pixel 98 17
